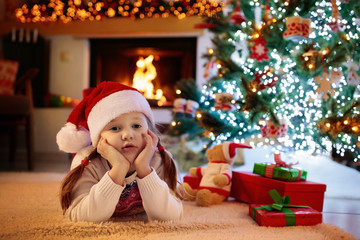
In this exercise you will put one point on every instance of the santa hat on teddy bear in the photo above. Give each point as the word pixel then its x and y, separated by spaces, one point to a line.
pixel 229 150
pixel 106 102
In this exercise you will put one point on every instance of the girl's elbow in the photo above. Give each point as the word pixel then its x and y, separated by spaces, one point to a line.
pixel 96 218
pixel 170 215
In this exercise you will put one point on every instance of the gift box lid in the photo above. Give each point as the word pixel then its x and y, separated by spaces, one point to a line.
pixel 278 184
pixel 304 211
pixel 303 216
pixel 282 173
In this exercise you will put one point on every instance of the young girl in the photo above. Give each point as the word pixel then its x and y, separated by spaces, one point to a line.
pixel 120 167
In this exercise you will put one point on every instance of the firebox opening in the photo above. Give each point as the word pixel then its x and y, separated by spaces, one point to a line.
pixel 115 60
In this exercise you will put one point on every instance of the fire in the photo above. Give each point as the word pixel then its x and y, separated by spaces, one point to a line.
pixel 143 76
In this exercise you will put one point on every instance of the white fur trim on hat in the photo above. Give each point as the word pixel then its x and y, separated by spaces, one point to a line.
pixel 112 106
pixel 82 154
pixel 226 151
pixel 71 140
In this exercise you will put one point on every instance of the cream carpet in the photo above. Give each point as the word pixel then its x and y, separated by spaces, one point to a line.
pixel 30 209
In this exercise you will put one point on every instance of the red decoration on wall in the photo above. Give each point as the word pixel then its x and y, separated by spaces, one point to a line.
pixel 204 25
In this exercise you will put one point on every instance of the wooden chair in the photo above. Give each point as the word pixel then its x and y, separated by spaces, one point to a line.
pixel 18 110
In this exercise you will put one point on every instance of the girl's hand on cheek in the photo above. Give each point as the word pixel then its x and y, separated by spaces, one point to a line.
pixel 142 162
pixel 109 153
pixel 120 165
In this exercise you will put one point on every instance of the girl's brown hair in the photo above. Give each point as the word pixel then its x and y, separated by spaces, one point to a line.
pixel 70 180
pixel 67 186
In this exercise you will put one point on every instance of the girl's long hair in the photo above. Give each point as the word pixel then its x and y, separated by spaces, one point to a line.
pixel 70 180
pixel 67 186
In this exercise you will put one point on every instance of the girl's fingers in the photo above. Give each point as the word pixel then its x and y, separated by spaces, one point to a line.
pixel 151 141
pixel 102 143
pixel 153 136
pixel 148 140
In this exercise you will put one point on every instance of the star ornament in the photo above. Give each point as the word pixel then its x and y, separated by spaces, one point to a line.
pixel 325 88
pixel 260 49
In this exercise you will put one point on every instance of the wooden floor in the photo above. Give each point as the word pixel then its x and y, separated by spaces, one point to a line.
pixel 344 213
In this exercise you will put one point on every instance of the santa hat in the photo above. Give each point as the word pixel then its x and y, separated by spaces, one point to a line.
pixel 229 150
pixel 103 104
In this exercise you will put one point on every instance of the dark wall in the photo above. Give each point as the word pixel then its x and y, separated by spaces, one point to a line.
pixel 30 55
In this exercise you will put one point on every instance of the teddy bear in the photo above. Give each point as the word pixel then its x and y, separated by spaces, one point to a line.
pixel 215 177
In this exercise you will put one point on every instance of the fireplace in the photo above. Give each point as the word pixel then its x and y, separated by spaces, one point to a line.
pixel 116 60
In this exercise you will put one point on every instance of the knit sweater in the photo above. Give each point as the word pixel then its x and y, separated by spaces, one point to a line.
pixel 208 174
pixel 95 195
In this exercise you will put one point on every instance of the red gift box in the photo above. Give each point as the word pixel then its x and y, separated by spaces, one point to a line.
pixel 252 188
pixel 303 216
pixel 194 182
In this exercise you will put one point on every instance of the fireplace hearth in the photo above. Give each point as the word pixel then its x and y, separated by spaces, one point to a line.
pixel 115 60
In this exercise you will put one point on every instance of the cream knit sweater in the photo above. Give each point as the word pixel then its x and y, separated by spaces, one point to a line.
pixel 95 195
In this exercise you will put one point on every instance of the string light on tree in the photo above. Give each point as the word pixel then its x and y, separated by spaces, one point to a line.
pixel 281 80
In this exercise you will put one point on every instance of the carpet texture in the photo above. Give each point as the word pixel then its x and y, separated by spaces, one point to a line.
pixel 30 209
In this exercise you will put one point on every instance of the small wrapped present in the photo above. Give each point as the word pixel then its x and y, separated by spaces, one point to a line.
pixel 280 170
pixel 253 188
pixel 281 213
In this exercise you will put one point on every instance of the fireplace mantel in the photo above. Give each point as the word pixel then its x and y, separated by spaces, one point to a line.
pixel 112 27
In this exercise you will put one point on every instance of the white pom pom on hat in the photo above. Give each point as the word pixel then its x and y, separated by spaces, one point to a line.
pixel 70 139
pixel 103 104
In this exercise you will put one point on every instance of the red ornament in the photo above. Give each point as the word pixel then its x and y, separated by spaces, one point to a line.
pixel 298 28
pixel 273 130
pixel 211 69
pixel 336 24
pixel 259 50
pixel 237 16
pixel 261 86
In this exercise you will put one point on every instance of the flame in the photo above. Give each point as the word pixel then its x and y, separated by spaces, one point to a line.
pixel 143 76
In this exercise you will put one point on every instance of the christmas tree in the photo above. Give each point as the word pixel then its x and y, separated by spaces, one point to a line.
pixel 281 72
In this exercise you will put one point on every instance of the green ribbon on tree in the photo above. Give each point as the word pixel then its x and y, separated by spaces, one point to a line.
pixel 281 204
